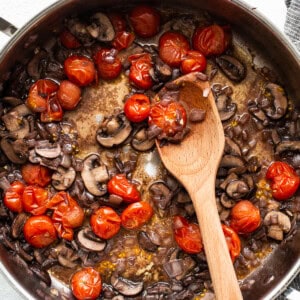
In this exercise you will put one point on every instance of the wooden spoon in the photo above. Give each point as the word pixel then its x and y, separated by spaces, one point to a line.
pixel 194 162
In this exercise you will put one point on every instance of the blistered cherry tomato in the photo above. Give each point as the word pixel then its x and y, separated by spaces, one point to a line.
pixel 122 40
pixel 135 215
pixel 120 186
pixel 80 70
pixel 173 47
pixel 145 20
pixel 35 174
pixel 194 61
pixel 187 235
pixel 86 284
pixel 284 180
pixel 233 242
pixel 13 196
pixel 139 73
pixel 68 95
pixel 68 40
pixel 105 222
pixel 35 200
pixel 170 118
pixel 67 214
pixel 53 111
pixel 137 108
pixel 211 40
pixel 39 231
pixel 245 217
pixel 39 94
pixel 108 65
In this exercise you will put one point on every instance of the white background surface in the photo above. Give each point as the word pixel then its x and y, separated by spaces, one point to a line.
pixel 19 11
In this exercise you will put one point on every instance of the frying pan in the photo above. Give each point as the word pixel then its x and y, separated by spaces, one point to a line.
pixel 271 49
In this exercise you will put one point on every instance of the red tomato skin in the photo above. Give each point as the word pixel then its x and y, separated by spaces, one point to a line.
pixel 68 40
pixel 13 197
pixel 39 231
pixel 86 284
pixel 108 65
pixel 171 118
pixel 35 200
pixel 34 174
pixel 118 22
pixel 211 40
pixel 68 95
pixel 233 242
pixel 80 70
pixel 284 180
pixel 53 113
pixel 135 215
pixel 187 235
pixel 105 222
pixel 122 40
pixel 145 21
pixel 173 47
pixel 137 108
pixel 194 61
pixel 245 217
pixel 120 186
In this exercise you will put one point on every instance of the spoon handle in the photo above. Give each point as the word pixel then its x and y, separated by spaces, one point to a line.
pixel 216 250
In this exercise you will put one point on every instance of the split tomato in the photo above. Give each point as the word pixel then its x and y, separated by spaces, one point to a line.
pixel 284 180
pixel 34 174
pixel 135 215
pixel 35 200
pixel 13 197
pixel 194 61
pixel 122 40
pixel 137 107
pixel 68 95
pixel 187 235
pixel 53 111
pixel 68 40
pixel 233 242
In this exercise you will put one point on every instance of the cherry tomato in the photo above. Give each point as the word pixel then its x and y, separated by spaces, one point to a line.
pixel 39 231
pixel 53 112
pixel 35 200
pixel 193 62
pixel 68 40
pixel 67 214
pixel 245 217
pixel 284 180
pixel 145 20
pixel 233 242
pixel 105 222
pixel 171 118
pixel 211 40
pixel 80 70
pixel 86 284
pixel 187 235
pixel 108 65
pixel 122 40
pixel 68 95
pixel 13 197
pixel 139 74
pixel 117 21
pixel 137 108
pixel 173 47
pixel 135 215
pixel 34 174
pixel 120 186
pixel 39 93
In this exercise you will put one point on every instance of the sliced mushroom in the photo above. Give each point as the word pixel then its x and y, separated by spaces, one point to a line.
pixel 174 267
pixel 231 67
pixel 227 202
pixel 141 142
pixel 18 224
pixel 101 28
pixel 46 149
pixel 15 151
pixel 125 286
pixel 278 223
pixel 89 241
pixel 94 175
pixel 229 178
pixel 288 146
pixel 237 189
pixel 231 161
pixel 79 29
pixel 161 194
pixel 232 147
pixel 63 178
pixel 66 262
pixel 33 67
pixel 114 130
pixel 4 183
pixel 226 108
pixel 162 70
pixel 145 242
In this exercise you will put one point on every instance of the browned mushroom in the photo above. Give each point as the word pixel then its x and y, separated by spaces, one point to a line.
pixel 231 67
pixel 125 286
pixel 63 178
pixel 16 151
pixel 278 223
pixel 141 142
pixel 89 241
pixel 101 28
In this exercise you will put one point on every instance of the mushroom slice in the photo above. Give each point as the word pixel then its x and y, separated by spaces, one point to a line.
pixel 288 146
pixel 94 175
pixel 89 241
pixel 237 189
pixel 63 178
pixel 227 202
pixel 231 67
pixel 145 242
pixel 161 194
pixel 16 151
pixel 114 130
pixel 226 109
pixel 278 223
pixel 231 161
pixel 33 67
pixel 232 147
pixel 126 287
pixel 18 224
pixel 101 28
pixel 141 142
pixel 46 149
